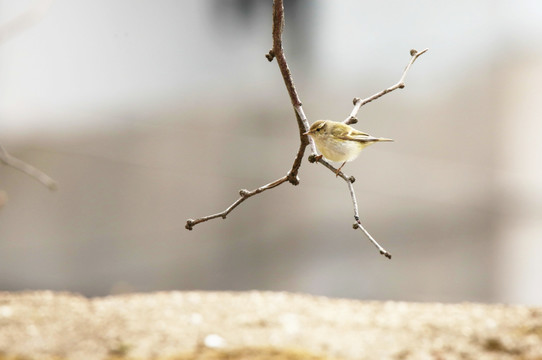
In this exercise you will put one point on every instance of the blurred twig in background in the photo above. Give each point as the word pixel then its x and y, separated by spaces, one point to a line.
pixel 7 31
pixel 30 170
pixel 25 20
pixel 277 52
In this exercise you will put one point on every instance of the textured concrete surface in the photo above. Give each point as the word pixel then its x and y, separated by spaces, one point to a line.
pixel 256 325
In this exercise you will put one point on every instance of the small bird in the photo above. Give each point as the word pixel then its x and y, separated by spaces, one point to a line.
pixel 339 142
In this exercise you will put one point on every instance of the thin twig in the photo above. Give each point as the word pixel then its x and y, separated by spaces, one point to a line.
pixel 358 222
pixel 349 182
pixel 245 194
pixel 30 170
pixel 358 103
pixel 351 119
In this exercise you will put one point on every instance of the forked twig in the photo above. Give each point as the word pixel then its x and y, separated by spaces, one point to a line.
pixel 277 53
pixel 30 170
pixel 358 103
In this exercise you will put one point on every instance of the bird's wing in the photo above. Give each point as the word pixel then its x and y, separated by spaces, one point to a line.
pixel 342 132
pixel 354 135
pixel 360 138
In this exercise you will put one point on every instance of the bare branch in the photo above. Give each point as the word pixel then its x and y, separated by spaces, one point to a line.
pixel 277 52
pixel 358 103
pixel 30 170
pixel 358 222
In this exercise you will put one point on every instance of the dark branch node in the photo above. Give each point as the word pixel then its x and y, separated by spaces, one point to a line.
pixel 355 226
pixel 313 158
pixel 413 52
pixel 293 179
pixel 270 55
pixel 401 85
pixel 351 120
pixel 386 254
pixel 356 99
pixel 352 179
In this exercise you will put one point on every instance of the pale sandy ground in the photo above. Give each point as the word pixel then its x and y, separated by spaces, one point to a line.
pixel 256 325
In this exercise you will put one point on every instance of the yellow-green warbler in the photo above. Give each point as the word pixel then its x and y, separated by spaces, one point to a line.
pixel 340 142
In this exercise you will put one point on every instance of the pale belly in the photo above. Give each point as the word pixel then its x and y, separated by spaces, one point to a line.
pixel 338 151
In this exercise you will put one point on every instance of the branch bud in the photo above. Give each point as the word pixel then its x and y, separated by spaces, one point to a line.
pixel 244 192
pixel 351 120
pixel 270 55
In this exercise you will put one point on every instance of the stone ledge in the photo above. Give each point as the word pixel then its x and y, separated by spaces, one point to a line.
pixel 260 325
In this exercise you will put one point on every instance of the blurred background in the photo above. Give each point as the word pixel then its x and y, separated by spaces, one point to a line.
pixel 148 113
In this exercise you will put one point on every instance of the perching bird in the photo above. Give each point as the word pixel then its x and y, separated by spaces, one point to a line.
pixel 340 142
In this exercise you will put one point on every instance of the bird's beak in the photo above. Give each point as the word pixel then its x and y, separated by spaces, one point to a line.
pixel 307 133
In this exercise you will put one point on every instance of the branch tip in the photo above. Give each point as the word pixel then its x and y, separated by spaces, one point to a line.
pixel 422 52
pixel 356 99
pixel 352 179
pixel 189 224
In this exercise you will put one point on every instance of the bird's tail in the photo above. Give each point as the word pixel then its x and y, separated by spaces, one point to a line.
pixel 371 139
pixel 383 139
